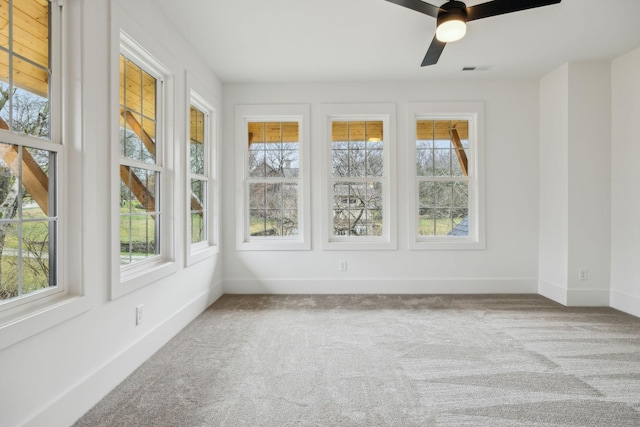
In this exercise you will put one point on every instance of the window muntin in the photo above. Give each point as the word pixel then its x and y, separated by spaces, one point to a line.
pixel 140 165
pixel 29 222
pixel 442 173
pixel 358 178
pixel 198 177
pixel 273 178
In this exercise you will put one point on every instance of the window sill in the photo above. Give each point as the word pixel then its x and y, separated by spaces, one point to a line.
pixel 447 244
pixel 274 245
pixel 141 275
pixel 361 245
pixel 201 253
pixel 29 320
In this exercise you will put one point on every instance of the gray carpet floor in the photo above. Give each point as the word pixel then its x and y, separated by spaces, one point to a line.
pixel 389 360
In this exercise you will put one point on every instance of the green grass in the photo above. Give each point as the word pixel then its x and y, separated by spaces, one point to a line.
pixel 443 226
pixel 142 227
pixel 257 227
pixel 196 228
pixel 33 279
pixel 34 275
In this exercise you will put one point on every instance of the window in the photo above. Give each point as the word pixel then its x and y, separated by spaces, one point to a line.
pixel 446 149
pixel 200 180
pixel 359 197
pixel 273 149
pixel 140 165
pixel 143 197
pixel 30 152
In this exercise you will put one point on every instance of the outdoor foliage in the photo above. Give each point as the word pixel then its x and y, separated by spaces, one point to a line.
pixel 25 265
pixel 357 203
pixel 274 168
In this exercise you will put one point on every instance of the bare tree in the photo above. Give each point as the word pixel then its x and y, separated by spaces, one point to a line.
pixel 27 114
pixel 273 196
pixel 357 205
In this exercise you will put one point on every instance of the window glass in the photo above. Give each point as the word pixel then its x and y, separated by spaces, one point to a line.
pixel 25 67
pixel 273 170
pixel 442 151
pixel 198 151
pixel 28 221
pixel 138 113
pixel 357 164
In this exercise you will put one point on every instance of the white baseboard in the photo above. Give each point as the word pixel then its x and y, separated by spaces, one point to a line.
pixel 381 286
pixel 64 410
pixel 573 297
pixel 553 291
pixel 624 302
pixel 588 298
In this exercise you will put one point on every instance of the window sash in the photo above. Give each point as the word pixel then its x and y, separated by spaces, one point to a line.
pixel 381 142
pixel 203 212
pixel 470 116
pixel 201 225
pixel 50 142
pixel 148 222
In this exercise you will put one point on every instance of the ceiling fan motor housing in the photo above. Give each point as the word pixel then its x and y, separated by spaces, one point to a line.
pixel 452 10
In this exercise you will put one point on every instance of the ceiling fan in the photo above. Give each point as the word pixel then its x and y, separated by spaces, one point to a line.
pixel 452 18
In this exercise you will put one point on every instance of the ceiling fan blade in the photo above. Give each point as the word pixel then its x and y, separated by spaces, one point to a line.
pixel 434 52
pixel 418 6
pixel 499 7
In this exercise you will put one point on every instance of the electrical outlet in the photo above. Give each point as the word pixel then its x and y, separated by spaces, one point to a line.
pixel 139 314
pixel 342 265
pixel 583 274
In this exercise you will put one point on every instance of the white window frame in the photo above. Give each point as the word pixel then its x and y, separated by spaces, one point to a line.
pixel 33 313
pixel 385 112
pixel 474 113
pixel 201 250
pixel 134 276
pixel 272 113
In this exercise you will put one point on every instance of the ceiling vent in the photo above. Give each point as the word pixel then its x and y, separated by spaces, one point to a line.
pixel 475 68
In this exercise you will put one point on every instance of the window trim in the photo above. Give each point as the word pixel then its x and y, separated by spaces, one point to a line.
pixel 195 252
pixel 385 112
pixel 30 316
pixel 134 276
pixel 474 112
pixel 272 113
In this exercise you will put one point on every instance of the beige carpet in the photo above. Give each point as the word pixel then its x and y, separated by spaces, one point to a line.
pixel 387 361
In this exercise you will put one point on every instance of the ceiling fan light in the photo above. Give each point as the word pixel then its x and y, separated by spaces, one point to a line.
pixel 450 31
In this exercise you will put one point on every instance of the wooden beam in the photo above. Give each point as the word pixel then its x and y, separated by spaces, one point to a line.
pixel 136 127
pixel 195 204
pixel 138 189
pixel 460 153
pixel 34 180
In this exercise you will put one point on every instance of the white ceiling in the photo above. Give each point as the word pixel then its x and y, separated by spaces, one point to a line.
pixel 365 40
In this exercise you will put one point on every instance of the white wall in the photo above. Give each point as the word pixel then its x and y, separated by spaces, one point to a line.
pixel 509 263
pixel 625 198
pixel 554 184
pixel 53 377
pixel 575 170
pixel 589 167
